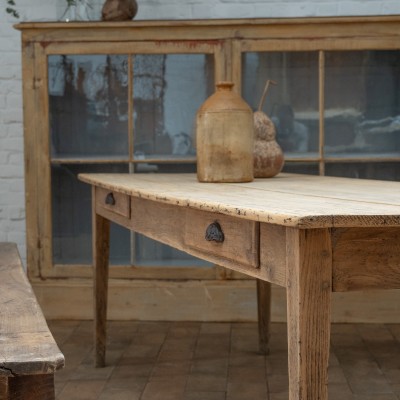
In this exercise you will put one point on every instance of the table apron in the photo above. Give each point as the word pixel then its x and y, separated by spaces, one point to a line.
pixel 362 258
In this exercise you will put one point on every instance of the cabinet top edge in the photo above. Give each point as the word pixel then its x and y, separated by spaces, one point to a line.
pixel 204 22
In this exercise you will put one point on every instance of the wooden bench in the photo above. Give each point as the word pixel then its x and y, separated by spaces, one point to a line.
pixel 29 356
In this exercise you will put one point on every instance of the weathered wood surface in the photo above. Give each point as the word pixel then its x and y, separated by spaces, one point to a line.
pixel 366 258
pixel 30 387
pixel 101 250
pixel 26 344
pixel 291 227
pixel 343 29
pixel 292 200
pixel 264 314
pixel 309 287
pixel 29 356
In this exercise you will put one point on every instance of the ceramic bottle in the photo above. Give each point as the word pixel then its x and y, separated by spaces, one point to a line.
pixel 224 137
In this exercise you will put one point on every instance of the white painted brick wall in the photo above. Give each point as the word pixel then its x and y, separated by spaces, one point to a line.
pixel 12 213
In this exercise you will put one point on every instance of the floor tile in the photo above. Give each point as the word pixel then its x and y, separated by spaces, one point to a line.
pixel 218 361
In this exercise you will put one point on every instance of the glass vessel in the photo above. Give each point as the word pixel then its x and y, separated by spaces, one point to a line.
pixel 77 10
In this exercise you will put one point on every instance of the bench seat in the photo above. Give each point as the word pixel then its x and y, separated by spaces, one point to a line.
pixel 29 356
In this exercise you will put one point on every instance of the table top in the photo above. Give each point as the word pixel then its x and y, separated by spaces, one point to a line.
pixel 302 201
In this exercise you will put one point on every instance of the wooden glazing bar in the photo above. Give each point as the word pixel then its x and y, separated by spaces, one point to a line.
pixel 321 97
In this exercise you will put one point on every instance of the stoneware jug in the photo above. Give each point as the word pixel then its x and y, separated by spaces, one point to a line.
pixel 119 10
pixel 224 137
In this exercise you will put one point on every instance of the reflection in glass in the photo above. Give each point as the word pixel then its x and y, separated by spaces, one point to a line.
pixel 388 171
pixel 88 100
pixel 72 217
pixel 301 168
pixel 151 253
pixel 362 102
pixel 168 90
pixel 293 102
pixel 166 168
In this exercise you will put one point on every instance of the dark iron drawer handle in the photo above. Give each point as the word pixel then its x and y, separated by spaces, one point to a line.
pixel 110 199
pixel 214 233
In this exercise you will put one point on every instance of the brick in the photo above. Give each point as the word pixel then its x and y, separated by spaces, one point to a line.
pixel 14 101
pixel 234 10
pixel 327 9
pixel 359 8
pixel 10 171
pixel 2 101
pixel 11 115
pixel 16 159
pixel 13 144
pixel 390 7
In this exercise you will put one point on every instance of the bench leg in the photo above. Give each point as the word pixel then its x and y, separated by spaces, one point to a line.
pixel 101 238
pixel 28 387
pixel 3 388
pixel 264 314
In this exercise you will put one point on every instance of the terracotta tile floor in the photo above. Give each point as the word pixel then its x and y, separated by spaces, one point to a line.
pixel 218 361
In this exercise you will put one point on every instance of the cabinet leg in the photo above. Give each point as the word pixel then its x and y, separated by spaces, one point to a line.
pixel 264 314
pixel 309 287
pixel 101 238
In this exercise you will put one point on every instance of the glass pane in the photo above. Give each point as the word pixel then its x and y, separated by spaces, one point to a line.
pixel 168 90
pixel 292 103
pixel 166 168
pixel 362 100
pixel 389 171
pixel 88 100
pixel 72 217
pixel 301 168
pixel 154 254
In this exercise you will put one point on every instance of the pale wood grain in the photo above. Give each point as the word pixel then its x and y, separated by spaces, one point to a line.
pixel 302 201
pixel 273 253
pixel 26 344
pixel 309 286
pixel 366 258
pixel 284 28
pixel 240 243
pixel 30 93
pixel 120 202
pixel 41 128
pixel 29 356
pixel 184 229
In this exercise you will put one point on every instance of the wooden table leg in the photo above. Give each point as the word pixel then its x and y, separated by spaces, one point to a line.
pixel 101 246
pixel 309 287
pixel 264 314
pixel 31 387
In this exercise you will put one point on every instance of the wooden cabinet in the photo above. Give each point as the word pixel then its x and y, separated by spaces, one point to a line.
pixel 122 97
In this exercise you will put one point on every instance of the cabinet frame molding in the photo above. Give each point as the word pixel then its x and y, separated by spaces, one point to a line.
pixel 226 40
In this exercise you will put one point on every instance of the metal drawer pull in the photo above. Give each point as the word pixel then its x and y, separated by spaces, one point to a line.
pixel 214 233
pixel 110 199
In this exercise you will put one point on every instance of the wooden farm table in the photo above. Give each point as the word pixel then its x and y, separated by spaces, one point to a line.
pixel 312 235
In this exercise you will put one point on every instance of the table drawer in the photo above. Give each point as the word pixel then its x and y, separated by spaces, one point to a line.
pixel 109 200
pixel 219 237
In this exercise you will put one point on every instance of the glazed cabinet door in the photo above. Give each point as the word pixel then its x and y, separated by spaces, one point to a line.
pixel 130 111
